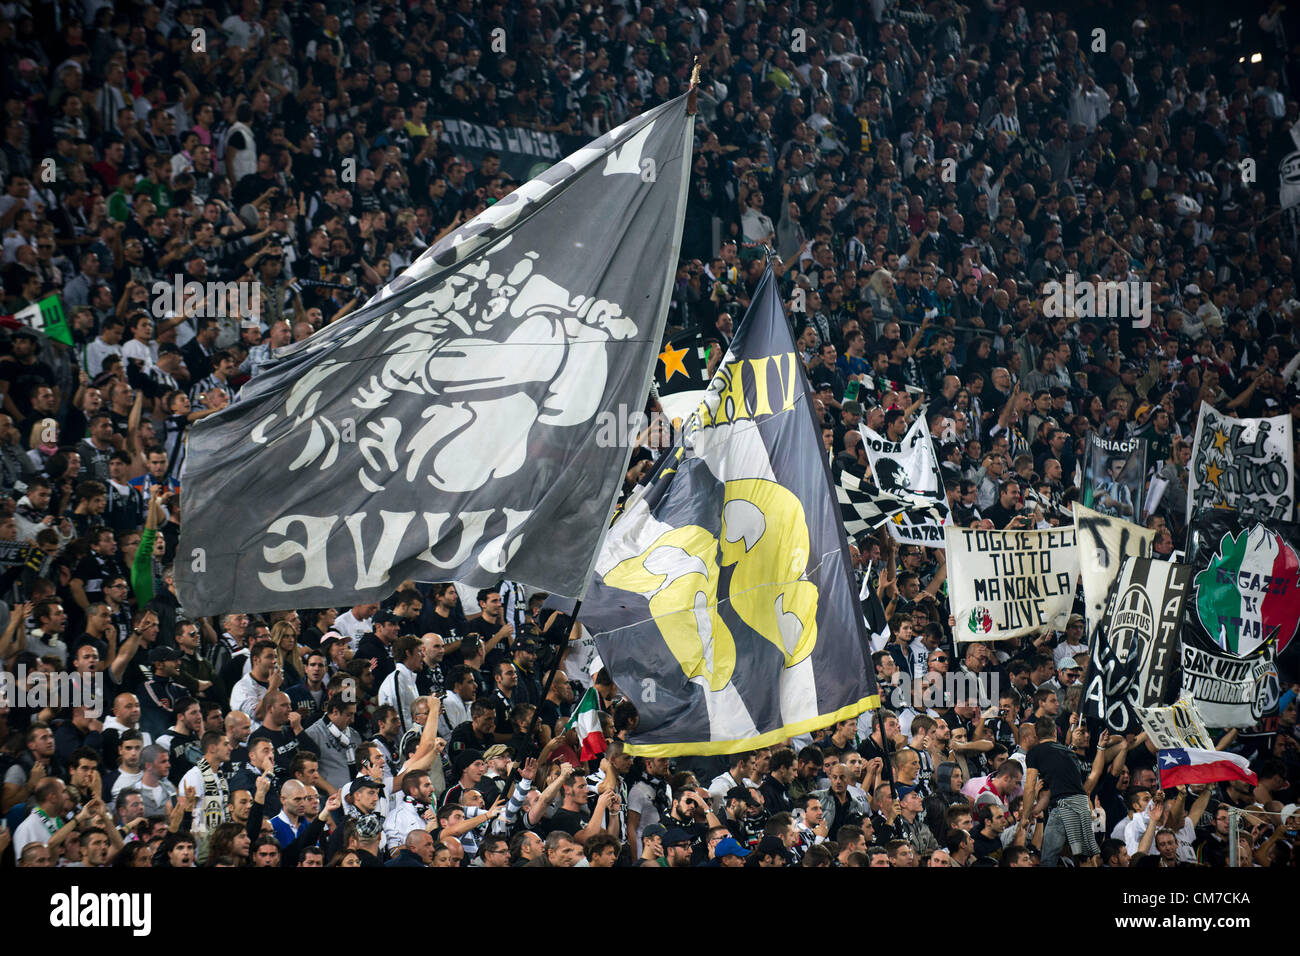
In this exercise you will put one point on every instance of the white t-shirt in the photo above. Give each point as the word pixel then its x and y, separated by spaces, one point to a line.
pixel 137 350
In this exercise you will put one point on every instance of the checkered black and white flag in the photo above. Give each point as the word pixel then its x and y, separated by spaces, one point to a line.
pixel 863 507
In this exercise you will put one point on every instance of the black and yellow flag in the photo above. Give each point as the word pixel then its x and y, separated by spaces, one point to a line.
pixel 724 604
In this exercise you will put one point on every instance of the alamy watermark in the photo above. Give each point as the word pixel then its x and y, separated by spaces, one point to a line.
pixel 1085 299
pixel 218 300
pixel 37 689
pixel 940 690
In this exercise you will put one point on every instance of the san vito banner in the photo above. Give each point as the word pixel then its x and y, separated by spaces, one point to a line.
pixel 724 603
pixel 1247 464
pixel 1133 657
pixel 1240 625
pixel 1010 583
pixel 1104 543
pixel 909 469
pixel 1114 476
pixel 447 430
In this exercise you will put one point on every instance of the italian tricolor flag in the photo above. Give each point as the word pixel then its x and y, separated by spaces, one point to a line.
pixel 1179 766
pixel 43 316
pixel 586 720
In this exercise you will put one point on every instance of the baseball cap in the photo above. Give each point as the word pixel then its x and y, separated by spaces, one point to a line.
pixel 1074 619
pixel 25 334
pixel 904 790
pixel 728 846
pixel 160 654
pixel 1192 289
pixel 676 837
pixel 496 750
pixel 654 830
pixel 363 782
pixel 1069 664
pixel 385 617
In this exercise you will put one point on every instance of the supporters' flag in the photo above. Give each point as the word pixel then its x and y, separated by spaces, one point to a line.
pixel 43 316
pixel 910 469
pixel 724 602
pixel 1133 657
pixel 1178 726
pixel 1114 476
pixel 1240 625
pixel 449 429
pixel 682 373
pixel 863 507
pixel 1247 464
pixel 1180 767
pixel 586 721
pixel 1104 543
pixel 873 611
pixel 1010 583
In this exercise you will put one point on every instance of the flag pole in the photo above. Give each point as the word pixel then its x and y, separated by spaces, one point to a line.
pixel 691 110
pixel 550 678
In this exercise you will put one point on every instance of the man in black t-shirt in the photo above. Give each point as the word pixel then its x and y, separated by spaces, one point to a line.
pixel 1052 766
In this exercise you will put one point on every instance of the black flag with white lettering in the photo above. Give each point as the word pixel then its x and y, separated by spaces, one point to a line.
pixel 1133 661
pixel 450 429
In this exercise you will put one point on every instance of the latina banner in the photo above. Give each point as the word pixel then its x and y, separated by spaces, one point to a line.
pixel 1240 624
pixel 1114 476
pixel 1246 464
pixel 909 469
pixel 1104 543
pixel 1134 654
pixel 1009 583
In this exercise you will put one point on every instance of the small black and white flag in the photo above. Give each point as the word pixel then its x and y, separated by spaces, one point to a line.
pixel 864 507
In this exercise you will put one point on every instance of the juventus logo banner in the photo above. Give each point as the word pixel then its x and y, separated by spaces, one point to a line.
pixel 909 469
pixel 1247 464
pixel 1009 583
pixel 1104 543
pixel 724 603
pixel 1240 625
pixel 1114 476
pixel 448 430
pixel 1134 654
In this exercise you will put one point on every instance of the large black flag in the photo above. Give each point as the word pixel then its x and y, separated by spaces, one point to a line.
pixel 449 430
pixel 1133 661
pixel 724 604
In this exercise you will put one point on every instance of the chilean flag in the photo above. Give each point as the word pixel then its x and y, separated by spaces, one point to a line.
pixel 1178 767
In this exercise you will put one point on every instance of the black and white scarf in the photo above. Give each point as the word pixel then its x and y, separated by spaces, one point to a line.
pixel 213 805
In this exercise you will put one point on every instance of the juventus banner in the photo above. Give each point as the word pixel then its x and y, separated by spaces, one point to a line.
pixel 1134 655
pixel 724 602
pixel 1247 464
pixel 1114 476
pixel 864 508
pixel 447 430
pixel 909 469
pixel 1008 583
pixel 1104 543
pixel 1240 626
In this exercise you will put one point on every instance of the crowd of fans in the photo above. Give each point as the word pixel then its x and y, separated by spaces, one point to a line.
pixel 918 172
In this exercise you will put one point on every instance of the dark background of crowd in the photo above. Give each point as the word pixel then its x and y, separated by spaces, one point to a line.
pixel 917 173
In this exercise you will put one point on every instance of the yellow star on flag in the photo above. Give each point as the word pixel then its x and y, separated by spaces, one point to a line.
pixel 1212 474
pixel 1220 440
pixel 672 359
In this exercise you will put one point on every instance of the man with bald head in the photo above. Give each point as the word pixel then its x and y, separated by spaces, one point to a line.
pixel 417 851
pixel 292 819
pixel 125 716
pixel 238 727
